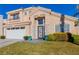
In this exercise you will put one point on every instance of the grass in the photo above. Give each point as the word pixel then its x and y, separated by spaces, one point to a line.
pixel 43 48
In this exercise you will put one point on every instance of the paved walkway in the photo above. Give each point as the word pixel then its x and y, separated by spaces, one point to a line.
pixel 35 41
pixel 6 42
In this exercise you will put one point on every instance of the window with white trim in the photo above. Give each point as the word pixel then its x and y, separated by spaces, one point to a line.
pixel 66 27
pixel 58 28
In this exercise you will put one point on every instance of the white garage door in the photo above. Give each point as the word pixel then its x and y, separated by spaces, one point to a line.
pixel 15 33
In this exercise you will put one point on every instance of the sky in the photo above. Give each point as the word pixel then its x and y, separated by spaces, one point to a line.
pixel 67 9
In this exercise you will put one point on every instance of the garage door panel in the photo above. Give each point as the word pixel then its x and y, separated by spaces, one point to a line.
pixel 15 34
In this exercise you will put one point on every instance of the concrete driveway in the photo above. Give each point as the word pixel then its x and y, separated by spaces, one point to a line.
pixel 6 42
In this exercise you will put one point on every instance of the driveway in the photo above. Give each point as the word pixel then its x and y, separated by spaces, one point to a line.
pixel 6 42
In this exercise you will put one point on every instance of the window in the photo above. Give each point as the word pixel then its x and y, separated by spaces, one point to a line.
pixel 17 28
pixel 8 28
pixel 57 28
pixel 25 13
pixel 13 28
pixel 60 28
pixel 22 27
pixel 16 16
pixel 40 21
pixel 66 27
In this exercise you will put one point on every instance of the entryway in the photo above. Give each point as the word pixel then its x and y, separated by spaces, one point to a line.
pixel 40 32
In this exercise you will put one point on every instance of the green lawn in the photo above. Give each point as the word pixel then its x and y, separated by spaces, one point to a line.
pixel 43 48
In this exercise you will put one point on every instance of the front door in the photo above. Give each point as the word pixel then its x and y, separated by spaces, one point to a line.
pixel 40 32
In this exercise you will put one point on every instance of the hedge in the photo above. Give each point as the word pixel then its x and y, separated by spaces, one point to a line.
pixel 59 36
pixel 27 38
pixel 76 39
pixel 51 37
pixel 2 37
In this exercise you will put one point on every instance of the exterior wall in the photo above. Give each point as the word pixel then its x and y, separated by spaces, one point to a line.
pixel 27 28
pixel 76 30
pixel 50 21
pixel 31 25
pixel 71 23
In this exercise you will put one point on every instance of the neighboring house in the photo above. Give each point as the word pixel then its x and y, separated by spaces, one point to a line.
pixel 37 22
pixel 1 25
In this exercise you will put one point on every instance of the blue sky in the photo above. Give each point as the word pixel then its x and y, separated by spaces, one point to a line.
pixel 68 9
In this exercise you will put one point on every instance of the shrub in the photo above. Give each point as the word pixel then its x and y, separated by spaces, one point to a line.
pixel 27 37
pixel 51 37
pixel 60 36
pixel 2 37
pixel 45 37
pixel 76 39
pixel 70 37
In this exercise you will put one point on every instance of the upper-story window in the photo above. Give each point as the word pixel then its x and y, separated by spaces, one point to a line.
pixel 15 16
pixel 27 12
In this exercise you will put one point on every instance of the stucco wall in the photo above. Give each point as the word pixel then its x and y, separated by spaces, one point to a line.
pixel 71 23
pixel 51 19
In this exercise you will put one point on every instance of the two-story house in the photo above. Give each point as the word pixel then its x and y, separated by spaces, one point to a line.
pixel 37 22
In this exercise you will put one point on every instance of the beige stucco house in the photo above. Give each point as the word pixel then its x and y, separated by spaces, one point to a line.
pixel 36 22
